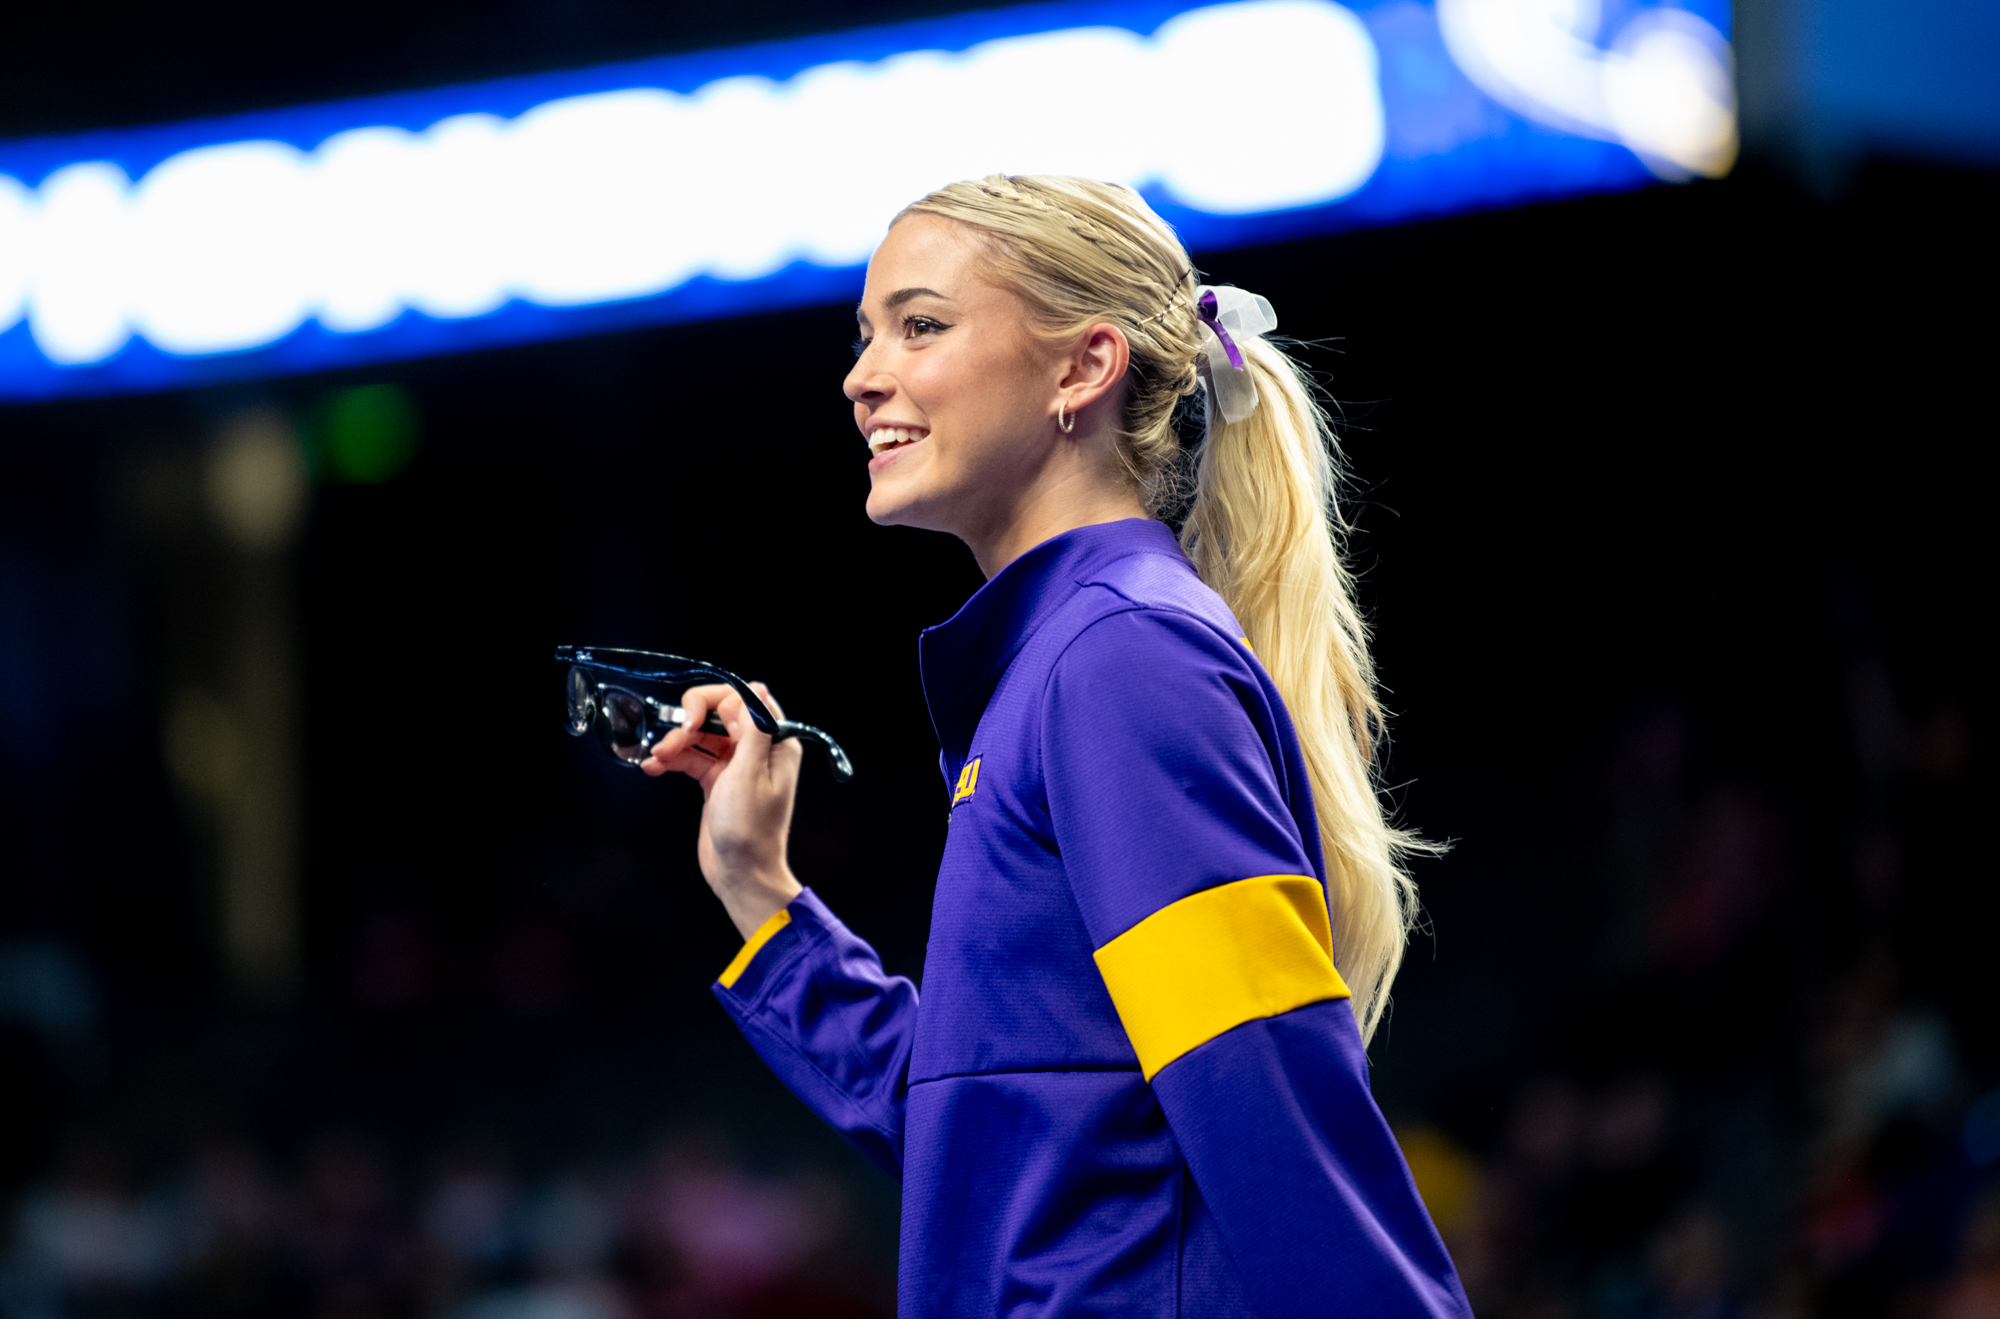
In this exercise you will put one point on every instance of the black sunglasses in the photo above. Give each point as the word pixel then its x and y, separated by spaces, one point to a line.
pixel 628 723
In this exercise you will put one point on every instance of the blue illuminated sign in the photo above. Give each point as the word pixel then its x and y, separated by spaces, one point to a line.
pixel 762 177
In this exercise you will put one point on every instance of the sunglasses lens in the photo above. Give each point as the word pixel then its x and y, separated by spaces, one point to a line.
pixel 582 704
pixel 627 725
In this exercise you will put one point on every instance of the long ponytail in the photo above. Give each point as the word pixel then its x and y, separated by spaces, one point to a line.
pixel 1264 530
pixel 1261 521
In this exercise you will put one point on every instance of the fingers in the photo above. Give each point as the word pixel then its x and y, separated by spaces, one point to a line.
pixel 688 750
pixel 780 758
pixel 680 753
pixel 743 731
pixel 770 701
pixel 698 701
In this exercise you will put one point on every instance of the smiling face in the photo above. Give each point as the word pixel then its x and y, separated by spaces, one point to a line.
pixel 956 399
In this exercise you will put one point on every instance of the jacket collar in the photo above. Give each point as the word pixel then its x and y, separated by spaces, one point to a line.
pixel 961 659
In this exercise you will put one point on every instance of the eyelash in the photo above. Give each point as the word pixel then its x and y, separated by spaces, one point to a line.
pixel 910 323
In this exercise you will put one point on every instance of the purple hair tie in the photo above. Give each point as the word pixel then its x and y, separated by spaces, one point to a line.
pixel 1205 308
pixel 1230 314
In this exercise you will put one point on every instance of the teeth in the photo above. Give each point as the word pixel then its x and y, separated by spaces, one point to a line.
pixel 889 437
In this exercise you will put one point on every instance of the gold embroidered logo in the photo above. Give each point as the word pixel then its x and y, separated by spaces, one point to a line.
pixel 968 779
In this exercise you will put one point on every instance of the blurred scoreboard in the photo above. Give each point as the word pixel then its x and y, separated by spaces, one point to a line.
pixel 759 177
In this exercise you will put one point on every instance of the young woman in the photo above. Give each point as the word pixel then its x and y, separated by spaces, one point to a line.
pixel 1170 905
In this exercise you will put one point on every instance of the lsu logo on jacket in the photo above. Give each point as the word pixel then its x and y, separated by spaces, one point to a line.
pixel 968 781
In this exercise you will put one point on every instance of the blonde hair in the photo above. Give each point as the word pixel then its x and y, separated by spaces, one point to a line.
pixel 1261 521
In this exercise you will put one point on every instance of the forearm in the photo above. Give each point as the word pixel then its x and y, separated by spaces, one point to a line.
pixel 1301 1173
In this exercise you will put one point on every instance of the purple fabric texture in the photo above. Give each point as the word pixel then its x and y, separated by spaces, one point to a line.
pixel 816 1004
pixel 1131 752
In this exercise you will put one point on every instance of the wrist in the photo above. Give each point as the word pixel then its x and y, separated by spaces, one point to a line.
pixel 753 899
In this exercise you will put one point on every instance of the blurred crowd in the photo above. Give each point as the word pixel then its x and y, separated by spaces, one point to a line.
pixel 684 1232
pixel 1776 1096
pixel 1645 1199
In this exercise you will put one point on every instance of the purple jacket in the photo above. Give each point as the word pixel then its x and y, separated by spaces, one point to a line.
pixel 1133 1084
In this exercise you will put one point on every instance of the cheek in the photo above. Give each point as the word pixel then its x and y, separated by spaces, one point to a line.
pixel 979 391
pixel 944 382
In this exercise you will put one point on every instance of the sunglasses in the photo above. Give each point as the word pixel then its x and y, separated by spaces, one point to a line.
pixel 628 723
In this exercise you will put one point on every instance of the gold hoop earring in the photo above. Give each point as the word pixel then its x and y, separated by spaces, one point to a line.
pixel 1067 424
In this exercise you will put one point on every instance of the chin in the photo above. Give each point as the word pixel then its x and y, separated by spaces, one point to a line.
pixel 896 508
pixel 886 510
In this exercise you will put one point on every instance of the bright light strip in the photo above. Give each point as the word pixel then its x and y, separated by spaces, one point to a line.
pixel 491 214
pixel 1665 88
pixel 627 193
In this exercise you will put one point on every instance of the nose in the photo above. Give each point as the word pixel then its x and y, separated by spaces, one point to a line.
pixel 867 382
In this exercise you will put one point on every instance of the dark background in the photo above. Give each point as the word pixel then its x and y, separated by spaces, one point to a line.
pixel 1667 515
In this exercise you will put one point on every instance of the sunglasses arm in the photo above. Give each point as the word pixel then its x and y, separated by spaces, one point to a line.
pixel 836 759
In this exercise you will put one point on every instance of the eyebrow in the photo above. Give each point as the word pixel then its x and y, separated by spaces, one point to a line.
pixel 898 298
pixel 901 296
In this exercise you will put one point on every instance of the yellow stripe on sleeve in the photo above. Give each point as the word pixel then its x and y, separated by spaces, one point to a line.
pixel 1216 959
pixel 779 920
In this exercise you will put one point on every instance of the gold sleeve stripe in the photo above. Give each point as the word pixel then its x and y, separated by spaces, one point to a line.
pixel 779 920
pixel 1216 959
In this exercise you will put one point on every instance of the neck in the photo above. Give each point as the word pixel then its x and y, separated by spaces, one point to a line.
pixel 1076 499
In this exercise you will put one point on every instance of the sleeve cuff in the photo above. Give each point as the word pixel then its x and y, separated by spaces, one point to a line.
pixel 754 945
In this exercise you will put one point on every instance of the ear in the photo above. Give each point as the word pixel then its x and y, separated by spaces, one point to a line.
pixel 1094 367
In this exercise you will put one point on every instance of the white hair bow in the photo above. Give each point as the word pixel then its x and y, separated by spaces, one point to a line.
pixel 1227 315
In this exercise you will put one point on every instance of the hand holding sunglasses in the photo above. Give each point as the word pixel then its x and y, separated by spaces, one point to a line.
pixel 628 723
